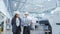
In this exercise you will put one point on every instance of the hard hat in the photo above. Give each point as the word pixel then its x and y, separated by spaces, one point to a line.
pixel 26 13
pixel 16 12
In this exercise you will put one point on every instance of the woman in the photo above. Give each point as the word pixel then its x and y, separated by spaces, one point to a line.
pixel 16 24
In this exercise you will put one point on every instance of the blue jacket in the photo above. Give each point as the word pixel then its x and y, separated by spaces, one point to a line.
pixel 14 27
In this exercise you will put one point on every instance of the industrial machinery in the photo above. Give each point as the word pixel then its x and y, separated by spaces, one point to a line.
pixel 46 26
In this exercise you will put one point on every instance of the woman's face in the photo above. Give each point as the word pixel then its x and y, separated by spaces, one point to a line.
pixel 17 15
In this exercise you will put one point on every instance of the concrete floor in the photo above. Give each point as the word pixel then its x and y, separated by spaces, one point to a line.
pixel 39 30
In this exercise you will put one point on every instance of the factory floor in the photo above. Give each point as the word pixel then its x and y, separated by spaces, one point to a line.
pixel 38 30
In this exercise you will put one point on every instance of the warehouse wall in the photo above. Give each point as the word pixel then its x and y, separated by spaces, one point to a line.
pixel 55 18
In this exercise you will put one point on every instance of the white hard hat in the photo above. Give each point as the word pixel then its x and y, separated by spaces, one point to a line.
pixel 26 13
pixel 16 12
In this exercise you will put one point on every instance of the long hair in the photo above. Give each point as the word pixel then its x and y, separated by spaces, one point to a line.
pixel 15 16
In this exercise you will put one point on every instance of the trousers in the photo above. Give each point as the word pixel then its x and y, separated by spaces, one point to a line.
pixel 17 31
pixel 26 30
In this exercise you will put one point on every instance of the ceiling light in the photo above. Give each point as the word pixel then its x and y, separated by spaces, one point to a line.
pixel 52 12
pixel 15 4
pixel 39 5
pixel 49 0
pixel 43 14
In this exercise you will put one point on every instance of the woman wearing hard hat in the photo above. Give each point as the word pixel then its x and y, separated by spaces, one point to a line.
pixel 16 23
